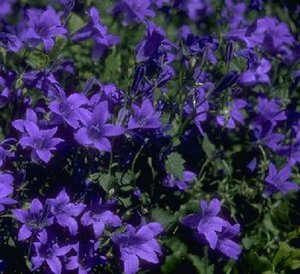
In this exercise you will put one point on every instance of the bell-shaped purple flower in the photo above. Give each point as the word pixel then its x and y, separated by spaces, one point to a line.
pixel 268 112
pixel 10 42
pixel 40 141
pixel 207 223
pixel 232 114
pixel 95 131
pixel 256 76
pixel 134 10
pixel 69 109
pixel 181 184
pixel 43 27
pixel 99 216
pixel 47 251
pixel 138 244
pixel 64 211
pixel 98 32
pixel 86 257
pixel 6 8
pixel 144 117
pixel 6 190
pixel 33 220
pixel 225 244
pixel 278 181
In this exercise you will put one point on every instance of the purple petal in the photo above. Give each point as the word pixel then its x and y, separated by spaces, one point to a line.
pixel 103 145
pixel 55 265
pixel 20 214
pixel 24 233
pixel 82 137
pixel 211 238
pixel 98 228
pixel 44 155
pixel 229 248
pixel 146 253
pixel 36 207
pixel 191 221
pixel 112 130
pixel 131 264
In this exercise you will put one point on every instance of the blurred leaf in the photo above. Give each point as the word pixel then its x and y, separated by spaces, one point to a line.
pixel 287 257
pixel 280 217
pixel 162 216
pixel 258 264
pixel 170 264
pixel 112 67
pixel 106 181
pixel 201 266
pixel 58 48
pixel 208 147
pixel 175 165
pixel 38 60
pixel 75 23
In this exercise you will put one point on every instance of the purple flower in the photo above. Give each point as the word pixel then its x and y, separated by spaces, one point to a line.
pixel 256 76
pixel 10 41
pixel 160 3
pixel 4 153
pixel 144 117
pixel 138 244
pixel 98 32
pixel 268 111
pixel 256 5
pixel 225 244
pixel 95 130
pixel 6 8
pixel 196 9
pixel 30 116
pixel 134 10
pixel 64 211
pixel 6 87
pixel 278 181
pixel 86 257
pixel 203 46
pixel 232 114
pixel 41 142
pixel 33 220
pixel 100 216
pixel 265 32
pixel 43 26
pixel 182 184
pixel 234 13
pixel 207 223
pixel 69 109
pixel 43 80
pixel 48 252
pixel 6 190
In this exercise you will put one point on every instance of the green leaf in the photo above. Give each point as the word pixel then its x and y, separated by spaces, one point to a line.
pixel 58 48
pixel 162 216
pixel 280 217
pixel 75 23
pixel 112 66
pixel 258 264
pixel 106 181
pixel 171 263
pixel 178 247
pixel 287 257
pixel 175 165
pixel 208 147
pixel 38 60
pixel 200 265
